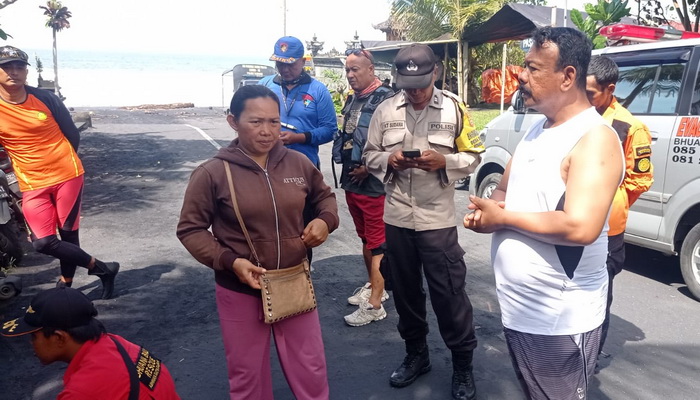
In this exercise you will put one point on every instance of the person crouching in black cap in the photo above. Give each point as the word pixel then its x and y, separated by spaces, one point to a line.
pixel 101 365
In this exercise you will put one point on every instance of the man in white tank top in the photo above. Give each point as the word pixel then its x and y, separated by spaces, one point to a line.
pixel 548 218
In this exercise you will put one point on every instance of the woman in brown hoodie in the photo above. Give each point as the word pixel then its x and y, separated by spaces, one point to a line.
pixel 272 185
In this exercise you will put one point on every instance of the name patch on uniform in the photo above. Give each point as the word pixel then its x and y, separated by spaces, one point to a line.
pixel 441 126
pixel 642 151
pixel 299 181
pixel 393 125
pixel 148 368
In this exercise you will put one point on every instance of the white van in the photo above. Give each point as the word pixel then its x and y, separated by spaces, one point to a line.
pixel 659 83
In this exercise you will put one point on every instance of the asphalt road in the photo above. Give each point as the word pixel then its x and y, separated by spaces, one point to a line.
pixel 138 163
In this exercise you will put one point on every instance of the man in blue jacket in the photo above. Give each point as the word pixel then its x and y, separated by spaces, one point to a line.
pixel 306 107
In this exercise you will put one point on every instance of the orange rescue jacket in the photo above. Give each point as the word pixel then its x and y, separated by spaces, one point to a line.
pixel 639 172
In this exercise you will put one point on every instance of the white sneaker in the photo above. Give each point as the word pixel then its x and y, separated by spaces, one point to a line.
pixel 365 314
pixel 362 294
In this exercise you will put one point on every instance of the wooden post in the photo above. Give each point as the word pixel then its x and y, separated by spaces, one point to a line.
pixel 463 70
pixel 503 76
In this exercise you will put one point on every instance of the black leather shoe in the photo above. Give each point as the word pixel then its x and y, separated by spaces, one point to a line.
pixel 416 363
pixel 106 272
pixel 463 387
pixel 61 284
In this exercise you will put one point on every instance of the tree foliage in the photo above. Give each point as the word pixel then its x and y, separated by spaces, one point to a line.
pixel 57 15
pixel 337 85
pixel 57 20
pixel 3 4
pixel 431 19
pixel 652 12
pixel 684 9
pixel 599 15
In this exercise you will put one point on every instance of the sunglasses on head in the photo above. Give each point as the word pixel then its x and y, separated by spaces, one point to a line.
pixel 360 52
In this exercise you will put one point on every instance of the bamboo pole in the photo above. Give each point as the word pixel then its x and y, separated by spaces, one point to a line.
pixel 503 76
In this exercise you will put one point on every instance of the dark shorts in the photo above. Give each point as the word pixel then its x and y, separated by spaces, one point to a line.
pixel 368 214
pixel 553 367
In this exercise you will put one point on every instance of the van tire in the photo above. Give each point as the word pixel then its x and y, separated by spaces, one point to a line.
pixel 690 261
pixel 489 184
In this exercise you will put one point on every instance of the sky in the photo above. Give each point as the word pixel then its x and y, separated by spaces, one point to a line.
pixel 245 27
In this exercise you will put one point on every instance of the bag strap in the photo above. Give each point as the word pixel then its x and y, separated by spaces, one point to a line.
pixel 134 383
pixel 238 212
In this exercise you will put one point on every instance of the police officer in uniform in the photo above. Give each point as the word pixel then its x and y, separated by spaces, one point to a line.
pixel 420 142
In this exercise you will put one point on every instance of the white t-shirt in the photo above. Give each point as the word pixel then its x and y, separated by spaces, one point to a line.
pixel 536 292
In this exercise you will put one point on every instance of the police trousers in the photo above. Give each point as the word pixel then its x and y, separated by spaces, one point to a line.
pixel 438 255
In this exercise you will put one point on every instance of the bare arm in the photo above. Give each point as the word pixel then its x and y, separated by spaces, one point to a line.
pixel 499 194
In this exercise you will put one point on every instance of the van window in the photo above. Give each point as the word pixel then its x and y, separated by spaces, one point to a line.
pixel 650 89
pixel 695 105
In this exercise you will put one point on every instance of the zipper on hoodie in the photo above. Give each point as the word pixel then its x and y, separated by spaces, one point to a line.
pixel 274 205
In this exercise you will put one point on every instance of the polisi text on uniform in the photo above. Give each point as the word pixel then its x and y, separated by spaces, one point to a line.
pixel 438 126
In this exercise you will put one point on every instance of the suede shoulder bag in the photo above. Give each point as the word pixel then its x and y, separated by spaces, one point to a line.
pixel 285 292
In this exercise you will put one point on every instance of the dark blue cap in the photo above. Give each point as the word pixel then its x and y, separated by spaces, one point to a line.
pixel 60 308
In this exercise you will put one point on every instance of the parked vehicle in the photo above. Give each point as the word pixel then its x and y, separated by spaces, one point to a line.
pixel 10 286
pixel 660 84
pixel 12 224
pixel 243 75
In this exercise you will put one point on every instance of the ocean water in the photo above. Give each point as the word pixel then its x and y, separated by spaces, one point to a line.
pixel 102 79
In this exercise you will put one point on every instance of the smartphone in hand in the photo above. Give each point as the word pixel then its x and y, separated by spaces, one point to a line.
pixel 411 153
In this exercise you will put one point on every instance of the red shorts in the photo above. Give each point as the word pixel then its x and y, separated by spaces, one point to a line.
pixel 53 207
pixel 368 214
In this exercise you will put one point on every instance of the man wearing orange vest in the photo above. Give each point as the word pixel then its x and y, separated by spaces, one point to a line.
pixel 636 143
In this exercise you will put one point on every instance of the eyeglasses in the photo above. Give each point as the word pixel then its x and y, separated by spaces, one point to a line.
pixel 360 52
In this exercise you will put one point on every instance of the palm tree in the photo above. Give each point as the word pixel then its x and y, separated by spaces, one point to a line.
pixel 57 20
pixel 431 19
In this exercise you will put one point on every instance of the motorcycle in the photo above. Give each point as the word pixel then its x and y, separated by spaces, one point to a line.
pixel 10 286
pixel 11 216
pixel 11 223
